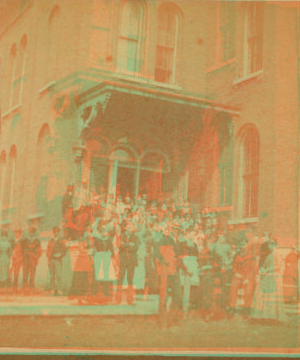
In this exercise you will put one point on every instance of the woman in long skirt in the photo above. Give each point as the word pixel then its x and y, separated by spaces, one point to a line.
pixel 268 303
pixel 80 283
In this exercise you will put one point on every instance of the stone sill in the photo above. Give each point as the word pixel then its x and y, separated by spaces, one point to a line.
pixel 255 75
pixel 47 87
pixel 11 111
pixel 137 79
pixel 243 221
pixel 220 65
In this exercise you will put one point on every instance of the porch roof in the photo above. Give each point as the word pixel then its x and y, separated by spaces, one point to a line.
pixel 93 82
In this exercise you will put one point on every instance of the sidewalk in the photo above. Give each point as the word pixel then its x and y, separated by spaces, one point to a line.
pixel 14 305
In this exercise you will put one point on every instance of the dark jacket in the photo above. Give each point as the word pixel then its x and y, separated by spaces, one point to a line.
pixel 31 249
pixel 7 246
pixel 102 245
pixel 129 247
pixel 56 249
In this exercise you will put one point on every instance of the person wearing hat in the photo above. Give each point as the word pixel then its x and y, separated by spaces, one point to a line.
pixel 56 250
pixel 67 209
pixel 290 278
pixel 268 303
pixel 128 261
pixel 6 247
pixel 32 251
pixel 127 204
pixel 144 201
pixel 17 257
pixel 167 254
pixel 244 273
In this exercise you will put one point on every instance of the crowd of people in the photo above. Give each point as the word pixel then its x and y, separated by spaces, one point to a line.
pixel 190 260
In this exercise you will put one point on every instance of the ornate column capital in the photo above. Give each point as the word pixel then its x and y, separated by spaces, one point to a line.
pixel 79 152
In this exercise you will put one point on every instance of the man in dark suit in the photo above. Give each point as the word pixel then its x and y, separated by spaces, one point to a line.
pixel 56 250
pixel 67 207
pixel 128 261
pixel 32 251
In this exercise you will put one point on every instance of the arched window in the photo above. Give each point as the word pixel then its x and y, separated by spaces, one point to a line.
pixel 250 172
pixel 54 28
pixel 11 70
pixel 17 83
pixel 42 153
pixel 166 46
pixel 132 38
pixel 223 155
pixel 152 169
pixel 10 178
pixel 2 176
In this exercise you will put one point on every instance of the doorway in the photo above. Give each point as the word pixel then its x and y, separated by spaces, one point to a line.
pixel 126 181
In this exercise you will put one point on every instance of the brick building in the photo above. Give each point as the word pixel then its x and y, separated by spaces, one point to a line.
pixel 197 100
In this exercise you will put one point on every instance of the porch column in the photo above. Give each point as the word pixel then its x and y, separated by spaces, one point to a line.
pixel 112 176
pixel 78 161
pixel 137 179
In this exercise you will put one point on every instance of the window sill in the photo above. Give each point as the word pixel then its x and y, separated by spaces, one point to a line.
pixel 18 77
pixel 36 216
pixel 255 75
pixel 47 87
pixel 11 111
pixel 220 65
pixel 243 221
pixel 9 210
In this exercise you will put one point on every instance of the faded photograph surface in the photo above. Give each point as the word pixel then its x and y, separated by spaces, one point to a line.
pixel 149 175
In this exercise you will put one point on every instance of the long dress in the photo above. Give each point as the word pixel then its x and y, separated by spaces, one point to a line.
pixel 268 301
pixel 80 281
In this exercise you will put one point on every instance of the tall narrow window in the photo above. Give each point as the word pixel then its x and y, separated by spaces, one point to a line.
pixel 10 179
pixel 224 163
pixel 226 31
pixel 19 74
pixel 250 172
pixel 131 46
pixel 254 38
pixel 54 42
pixel 166 48
pixel 42 154
pixel 11 69
pixel 100 32
pixel 2 177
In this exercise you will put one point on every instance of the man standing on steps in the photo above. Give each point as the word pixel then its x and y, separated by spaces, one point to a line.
pixel 128 261
pixel 168 261
pixel 56 250
pixel 32 251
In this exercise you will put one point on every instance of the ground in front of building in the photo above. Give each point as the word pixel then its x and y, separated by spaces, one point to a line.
pixel 141 332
